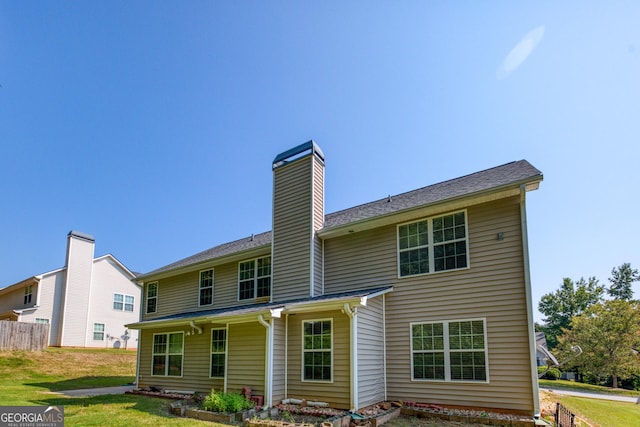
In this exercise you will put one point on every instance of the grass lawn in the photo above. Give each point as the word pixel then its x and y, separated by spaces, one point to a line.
pixel 28 378
pixel 601 413
pixel 587 388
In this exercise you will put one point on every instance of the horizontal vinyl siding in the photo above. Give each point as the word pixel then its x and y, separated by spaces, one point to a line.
pixel 336 393
pixel 370 353
pixel 492 288
pixel 292 230
pixel 279 357
pixel 195 366
pixel 246 355
pixel 180 293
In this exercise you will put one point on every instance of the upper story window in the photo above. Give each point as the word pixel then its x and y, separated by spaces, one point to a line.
pixel 123 302
pixel 449 351
pixel 254 278
pixel 152 297
pixel 434 244
pixel 206 287
pixel 28 294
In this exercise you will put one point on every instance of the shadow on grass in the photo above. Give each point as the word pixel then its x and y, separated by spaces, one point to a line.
pixel 84 382
pixel 157 407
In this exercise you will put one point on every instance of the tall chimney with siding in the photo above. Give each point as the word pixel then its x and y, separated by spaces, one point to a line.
pixel 77 285
pixel 298 212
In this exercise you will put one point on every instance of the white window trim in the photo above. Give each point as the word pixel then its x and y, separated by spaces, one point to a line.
pixel 333 367
pixel 28 295
pixel 147 297
pixel 93 336
pixel 124 302
pixel 255 278
pixel 200 288
pixel 167 354
pixel 447 351
pixel 226 351
pixel 430 244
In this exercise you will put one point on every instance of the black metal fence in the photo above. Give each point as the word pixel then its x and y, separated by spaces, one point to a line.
pixel 564 417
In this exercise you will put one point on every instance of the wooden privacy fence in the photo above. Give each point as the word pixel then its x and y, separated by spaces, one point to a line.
pixel 23 336
pixel 564 417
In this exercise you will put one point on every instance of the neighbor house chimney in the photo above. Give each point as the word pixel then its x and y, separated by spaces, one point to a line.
pixel 298 212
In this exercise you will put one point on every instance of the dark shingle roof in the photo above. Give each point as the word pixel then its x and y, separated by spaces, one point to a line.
pixel 490 179
pixel 496 177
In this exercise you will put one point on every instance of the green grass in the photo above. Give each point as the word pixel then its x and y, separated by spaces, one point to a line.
pixel 602 413
pixel 586 388
pixel 30 378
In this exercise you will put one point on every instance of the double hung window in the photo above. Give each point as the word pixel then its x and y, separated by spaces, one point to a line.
pixel 317 350
pixel 434 244
pixel 28 294
pixel 168 353
pixel 449 351
pixel 254 278
pixel 98 331
pixel 218 352
pixel 206 287
pixel 152 297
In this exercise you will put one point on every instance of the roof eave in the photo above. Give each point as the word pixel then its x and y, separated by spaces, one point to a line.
pixel 458 202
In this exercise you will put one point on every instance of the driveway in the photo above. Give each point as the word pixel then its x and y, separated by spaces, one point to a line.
pixel 88 392
pixel 591 395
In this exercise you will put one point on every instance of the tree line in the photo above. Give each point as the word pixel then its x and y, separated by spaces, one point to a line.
pixel 606 328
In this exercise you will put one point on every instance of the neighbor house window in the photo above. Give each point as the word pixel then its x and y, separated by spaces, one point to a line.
pixel 434 244
pixel 317 356
pixel 123 302
pixel 45 321
pixel 152 297
pixel 168 353
pixel 206 287
pixel 254 278
pixel 449 351
pixel 218 352
pixel 28 293
pixel 98 331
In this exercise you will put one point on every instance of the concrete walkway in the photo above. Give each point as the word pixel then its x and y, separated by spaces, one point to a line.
pixel 591 395
pixel 88 392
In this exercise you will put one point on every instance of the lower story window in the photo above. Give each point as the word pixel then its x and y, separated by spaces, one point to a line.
pixel 218 352
pixel 317 350
pixel 449 351
pixel 98 331
pixel 168 351
pixel 39 320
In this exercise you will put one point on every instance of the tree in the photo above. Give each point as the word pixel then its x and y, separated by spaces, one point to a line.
pixel 561 306
pixel 621 279
pixel 609 335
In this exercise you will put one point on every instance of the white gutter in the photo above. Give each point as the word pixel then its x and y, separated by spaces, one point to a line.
pixel 268 380
pixel 527 283
pixel 353 372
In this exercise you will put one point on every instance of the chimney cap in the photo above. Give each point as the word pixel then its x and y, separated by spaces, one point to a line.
pixel 285 156
pixel 81 235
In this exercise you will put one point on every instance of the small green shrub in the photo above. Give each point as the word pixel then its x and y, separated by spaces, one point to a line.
pixel 549 374
pixel 226 402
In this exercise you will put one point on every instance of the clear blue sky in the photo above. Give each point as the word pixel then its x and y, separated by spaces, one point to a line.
pixel 152 125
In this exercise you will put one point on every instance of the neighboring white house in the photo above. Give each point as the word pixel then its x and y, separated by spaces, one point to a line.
pixel 86 303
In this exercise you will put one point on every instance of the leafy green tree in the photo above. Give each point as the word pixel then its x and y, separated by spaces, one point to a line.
pixel 621 280
pixel 561 306
pixel 609 334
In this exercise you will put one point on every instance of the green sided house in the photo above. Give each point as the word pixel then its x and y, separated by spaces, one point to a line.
pixel 423 296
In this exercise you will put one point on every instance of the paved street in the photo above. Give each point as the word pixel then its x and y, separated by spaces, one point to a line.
pixel 591 395
pixel 87 392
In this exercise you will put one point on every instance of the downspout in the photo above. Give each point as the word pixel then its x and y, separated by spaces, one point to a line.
pixel 286 356
pixel 268 380
pixel 527 284
pixel 384 343
pixel 353 372
pixel 139 349
pixel 194 326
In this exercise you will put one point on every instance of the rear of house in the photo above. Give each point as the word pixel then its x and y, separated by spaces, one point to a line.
pixel 422 296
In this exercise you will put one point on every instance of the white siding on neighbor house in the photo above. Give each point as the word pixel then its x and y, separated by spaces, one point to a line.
pixel 77 291
pixel 491 288
pixel 371 377
pixel 15 299
pixel 109 278
pixel 50 301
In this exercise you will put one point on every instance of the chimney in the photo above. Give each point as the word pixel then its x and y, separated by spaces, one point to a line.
pixel 298 212
pixel 77 285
